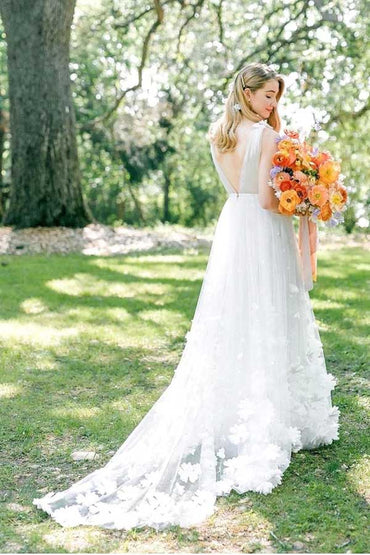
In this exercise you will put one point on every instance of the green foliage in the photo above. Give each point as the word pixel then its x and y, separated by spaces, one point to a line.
pixel 142 127
pixel 349 219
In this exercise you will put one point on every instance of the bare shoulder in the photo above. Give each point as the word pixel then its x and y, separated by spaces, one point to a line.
pixel 269 133
pixel 269 142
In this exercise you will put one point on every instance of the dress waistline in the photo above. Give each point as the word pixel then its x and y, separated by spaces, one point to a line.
pixel 237 194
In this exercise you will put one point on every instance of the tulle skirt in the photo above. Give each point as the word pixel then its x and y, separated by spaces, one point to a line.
pixel 250 389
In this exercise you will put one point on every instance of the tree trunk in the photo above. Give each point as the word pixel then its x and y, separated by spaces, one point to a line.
pixel 166 197
pixel 46 188
pixel 2 142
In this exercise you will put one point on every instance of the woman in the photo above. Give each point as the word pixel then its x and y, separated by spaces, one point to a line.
pixel 251 386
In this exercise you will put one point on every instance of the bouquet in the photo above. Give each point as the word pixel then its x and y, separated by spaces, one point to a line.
pixel 308 183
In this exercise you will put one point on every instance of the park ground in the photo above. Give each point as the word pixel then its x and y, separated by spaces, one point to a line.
pixel 89 342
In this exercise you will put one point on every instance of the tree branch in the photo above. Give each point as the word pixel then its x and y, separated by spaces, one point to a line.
pixel 325 13
pixel 196 10
pixel 342 115
pixel 144 54
pixel 218 9
pixel 128 22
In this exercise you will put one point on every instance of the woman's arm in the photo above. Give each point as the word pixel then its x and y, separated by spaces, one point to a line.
pixel 266 194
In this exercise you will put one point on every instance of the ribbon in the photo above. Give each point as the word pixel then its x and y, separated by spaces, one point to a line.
pixel 308 243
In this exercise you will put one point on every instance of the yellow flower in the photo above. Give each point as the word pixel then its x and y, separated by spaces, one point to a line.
pixel 289 200
pixel 329 171
pixel 284 144
pixel 336 199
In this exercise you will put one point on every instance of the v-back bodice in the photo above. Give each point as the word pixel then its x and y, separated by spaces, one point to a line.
pixel 248 181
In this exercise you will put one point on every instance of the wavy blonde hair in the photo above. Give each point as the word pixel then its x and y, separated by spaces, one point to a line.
pixel 253 76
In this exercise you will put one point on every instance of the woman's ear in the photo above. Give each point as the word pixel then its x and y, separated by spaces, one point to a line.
pixel 247 93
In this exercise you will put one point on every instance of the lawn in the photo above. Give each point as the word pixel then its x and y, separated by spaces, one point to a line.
pixel 89 343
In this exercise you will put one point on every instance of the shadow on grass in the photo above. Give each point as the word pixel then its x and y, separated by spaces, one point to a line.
pixel 88 393
pixel 33 277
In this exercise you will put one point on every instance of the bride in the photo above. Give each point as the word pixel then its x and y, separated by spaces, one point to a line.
pixel 251 387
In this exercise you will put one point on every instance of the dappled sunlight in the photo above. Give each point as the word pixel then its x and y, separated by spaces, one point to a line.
pixel 342 334
pixel 76 412
pixel 326 304
pixel 118 314
pixel 44 361
pixel 33 306
pixel 86 284
pixel 7 390
pixel 79 285
pixel 323 326
pixel 241 520
pixel 364 402
pixel 359 477
pixel 173 267
pixel 162 316
pixel 93 350
pixel 73 540
pixel 337 293
pixel 33 333
pixel 83 539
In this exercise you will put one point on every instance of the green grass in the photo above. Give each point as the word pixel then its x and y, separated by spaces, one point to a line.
pixel 87 346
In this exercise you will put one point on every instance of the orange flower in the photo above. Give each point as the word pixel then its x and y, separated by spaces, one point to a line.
pixel 301 191
pixel 283 158
pixel 292 134
pixel 322 184
pixel 320 158
pixel 329 171
pixel 285 212
pixel 286 185
pixel 325 213
pixel 343 192
pixel 301 177
pixel 318 195
pixel 289 200
pixel 281 176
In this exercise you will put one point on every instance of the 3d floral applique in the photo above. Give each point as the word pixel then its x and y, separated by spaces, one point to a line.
pixel 239 433
pixel 189 472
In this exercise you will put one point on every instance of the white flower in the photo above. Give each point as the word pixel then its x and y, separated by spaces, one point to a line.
pixel 293 288
pixel 106 486
pixel 68 516
pixel 237 107
pixel 239 433
pixel 88 498
pixel 188 471
pixel 221 453
pixel 179 489
pixel 224 486
pixel 265 487
pixel 150 478
pixel 126 493
pixel 301 207
pixel 246 409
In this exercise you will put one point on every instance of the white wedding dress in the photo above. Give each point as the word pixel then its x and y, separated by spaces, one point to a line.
pixel 251 386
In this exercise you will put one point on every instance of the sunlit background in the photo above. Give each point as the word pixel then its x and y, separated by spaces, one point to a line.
pixel 146 89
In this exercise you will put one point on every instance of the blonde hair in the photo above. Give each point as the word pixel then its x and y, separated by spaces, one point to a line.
pixel 253 76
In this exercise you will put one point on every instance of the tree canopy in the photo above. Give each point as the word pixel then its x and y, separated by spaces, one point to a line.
pixel 149 77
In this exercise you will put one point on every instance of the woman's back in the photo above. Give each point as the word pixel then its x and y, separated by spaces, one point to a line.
pixel 238 169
